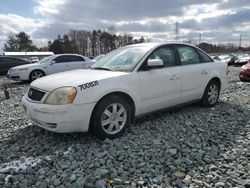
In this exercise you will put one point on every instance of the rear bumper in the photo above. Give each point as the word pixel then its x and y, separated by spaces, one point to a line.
pixel 59 118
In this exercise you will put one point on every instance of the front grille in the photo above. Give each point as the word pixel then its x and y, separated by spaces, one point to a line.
pixel 35 95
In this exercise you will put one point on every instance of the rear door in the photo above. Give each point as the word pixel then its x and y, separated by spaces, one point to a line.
pixel 160 87
pixel 75 62
pixel 195 71
pixel 65 63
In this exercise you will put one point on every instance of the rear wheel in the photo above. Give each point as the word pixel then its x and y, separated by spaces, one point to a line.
pixel 211 94
pixel 111 117
pixel 35 74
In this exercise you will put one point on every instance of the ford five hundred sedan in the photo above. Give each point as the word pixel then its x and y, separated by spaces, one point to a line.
pixel 124 84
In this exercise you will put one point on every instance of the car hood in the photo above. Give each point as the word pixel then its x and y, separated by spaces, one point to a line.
pixel 26 66
pixel 73 78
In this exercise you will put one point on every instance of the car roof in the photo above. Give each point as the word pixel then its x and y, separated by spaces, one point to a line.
pixel 56 55
pixel 156 44
pixel 3 56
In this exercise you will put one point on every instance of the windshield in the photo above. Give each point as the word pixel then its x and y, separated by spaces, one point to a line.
pixel 122 59
pixel 46 59
pixel 99 57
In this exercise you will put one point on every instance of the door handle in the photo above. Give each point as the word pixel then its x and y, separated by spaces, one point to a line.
pixel 204 72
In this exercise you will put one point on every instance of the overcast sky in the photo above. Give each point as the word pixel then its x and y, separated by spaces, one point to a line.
pixel 218 21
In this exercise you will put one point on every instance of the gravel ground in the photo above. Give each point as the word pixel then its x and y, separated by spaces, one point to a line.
pixel 187 147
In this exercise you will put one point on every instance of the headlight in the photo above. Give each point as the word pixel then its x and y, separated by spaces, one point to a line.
pixel 23 69
pixel 61 96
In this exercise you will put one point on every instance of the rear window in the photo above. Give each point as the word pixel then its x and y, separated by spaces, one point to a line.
pixel 188 55
pixel 204 57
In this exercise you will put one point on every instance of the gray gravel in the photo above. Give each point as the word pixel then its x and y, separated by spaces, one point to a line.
pixel 187 147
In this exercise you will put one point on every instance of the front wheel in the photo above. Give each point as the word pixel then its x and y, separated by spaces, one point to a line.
pixel 35 74
pixel 111 117
pixel 211 94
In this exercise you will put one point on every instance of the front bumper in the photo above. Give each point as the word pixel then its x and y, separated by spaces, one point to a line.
pixel 13 76
pixel 17 75
pixel 59 118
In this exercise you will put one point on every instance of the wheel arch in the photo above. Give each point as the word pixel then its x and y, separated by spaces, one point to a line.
pixel 36 70
pixel 122 94
pixel 217 79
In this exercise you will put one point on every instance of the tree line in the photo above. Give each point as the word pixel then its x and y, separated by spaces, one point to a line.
pixel 87 43
pixel 20 42
pixel 93 43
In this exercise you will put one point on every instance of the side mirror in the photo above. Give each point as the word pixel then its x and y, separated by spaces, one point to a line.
pixel 155 63
pixel 52 62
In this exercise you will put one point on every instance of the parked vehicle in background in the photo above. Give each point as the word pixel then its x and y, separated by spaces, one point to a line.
pixel 242 59
pixel 98 57
pixel 49 65
pixel 33 59
pixel 215 57
pixel 225 58
pixel 8 62
pixel 233 59
pixel 125 83
pixel 245 72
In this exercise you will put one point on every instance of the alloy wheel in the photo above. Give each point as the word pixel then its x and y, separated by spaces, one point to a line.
pixel 213 93
pixel 36 74
pixel 114 118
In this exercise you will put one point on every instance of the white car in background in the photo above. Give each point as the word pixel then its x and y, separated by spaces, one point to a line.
pixel 49 65
pixel 124 84
pixel 33 59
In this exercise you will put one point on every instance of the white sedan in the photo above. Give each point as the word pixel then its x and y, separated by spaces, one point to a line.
pixel 124 84
pixel 49 65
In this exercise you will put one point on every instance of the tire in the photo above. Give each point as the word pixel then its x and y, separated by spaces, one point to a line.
pixel 211 94
pixel 107 123
pixel 35 74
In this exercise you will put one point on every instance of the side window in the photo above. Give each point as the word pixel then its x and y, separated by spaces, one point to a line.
pixel 204 57
pixel 60 59
pixel 188 55
pixel 76 58
pixel 166 54
pixel 68 58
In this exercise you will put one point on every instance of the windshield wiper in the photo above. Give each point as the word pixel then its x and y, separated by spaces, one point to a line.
pixel 100 68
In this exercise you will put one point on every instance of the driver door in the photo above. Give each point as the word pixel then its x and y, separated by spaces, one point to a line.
pixel 160 87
